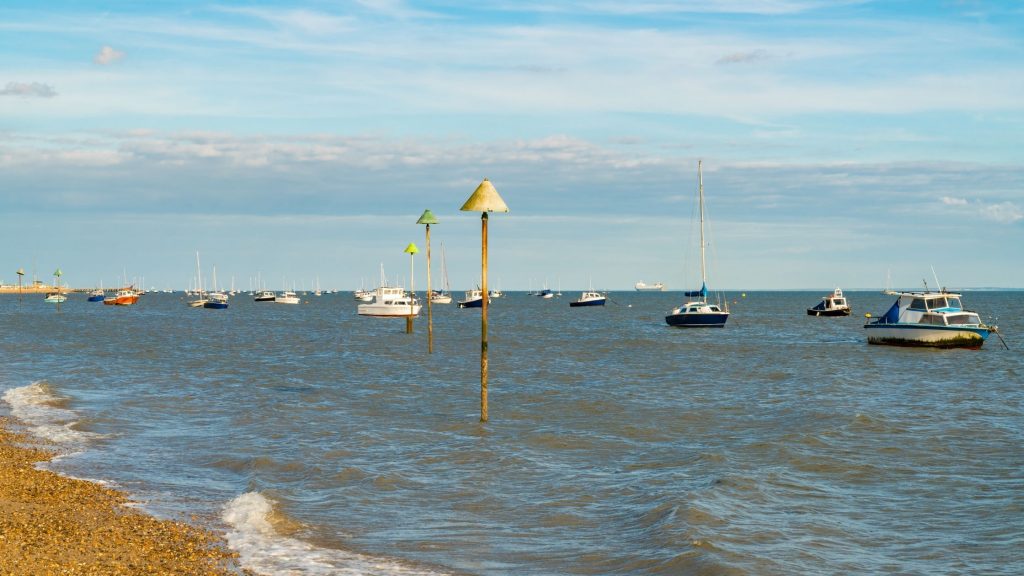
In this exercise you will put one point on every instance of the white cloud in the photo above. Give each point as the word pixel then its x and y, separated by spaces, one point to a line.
pixel 28 90
pixel 107 55
pixel 1004 212
pixel 953 201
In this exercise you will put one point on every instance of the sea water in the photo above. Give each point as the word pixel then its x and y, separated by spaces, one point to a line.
pixel 321 442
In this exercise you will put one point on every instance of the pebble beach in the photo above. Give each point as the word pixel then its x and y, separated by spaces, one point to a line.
pixel 51 524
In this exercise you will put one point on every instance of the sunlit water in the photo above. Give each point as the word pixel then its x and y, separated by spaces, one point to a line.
pixel 320 442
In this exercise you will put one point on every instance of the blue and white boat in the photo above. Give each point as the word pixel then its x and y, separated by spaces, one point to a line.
pixel 474 299
pixel 97 295
pixel 699 313
pixel 590 298
pixel 928 318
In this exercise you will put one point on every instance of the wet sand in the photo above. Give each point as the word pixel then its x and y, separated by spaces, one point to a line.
pixel 50 524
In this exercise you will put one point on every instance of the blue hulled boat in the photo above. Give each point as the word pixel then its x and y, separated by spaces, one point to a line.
pixel 699 313
pixel 934 319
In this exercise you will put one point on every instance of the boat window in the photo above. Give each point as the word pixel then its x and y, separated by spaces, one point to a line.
pixel 715 309
pixel 935 319
pixel 955 303
pixel 918 304
pixel 936 303
pixel 964 319
pixel 839 302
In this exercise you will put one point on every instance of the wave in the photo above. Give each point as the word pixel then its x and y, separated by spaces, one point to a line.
pixel 262 549
pixel 40 408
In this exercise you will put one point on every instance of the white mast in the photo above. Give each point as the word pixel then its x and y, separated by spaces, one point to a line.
pixel 703 273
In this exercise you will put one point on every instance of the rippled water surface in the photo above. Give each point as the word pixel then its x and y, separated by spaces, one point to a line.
pixel 320 442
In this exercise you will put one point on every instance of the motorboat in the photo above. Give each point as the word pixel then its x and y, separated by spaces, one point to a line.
pixel 286 297
pixel 97 295
pixel 123 297
pixel 390 302
pixel 928 318
pixel 216 301
pixel 590 298
pixel 55 297
pixel 833 304
pixel 264 296
pixel 474 299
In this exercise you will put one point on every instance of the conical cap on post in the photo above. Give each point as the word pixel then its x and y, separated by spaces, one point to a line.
pixel 58 272
pixel 21 271
pixel 427 218
pixel 485 199
pixel 411 248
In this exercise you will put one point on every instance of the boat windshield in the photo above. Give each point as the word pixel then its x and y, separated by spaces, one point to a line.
pixel 963 319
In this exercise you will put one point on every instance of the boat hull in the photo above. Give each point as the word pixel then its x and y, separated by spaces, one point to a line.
pixel 441 299
pixel 215 305
pixel 833 312
pixel 96 298
pixel 388 311
pixel 575 304
pixel 927 336
pixel 478 303
pixel 699 320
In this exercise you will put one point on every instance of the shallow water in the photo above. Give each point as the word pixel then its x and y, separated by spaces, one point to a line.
pixel 320 442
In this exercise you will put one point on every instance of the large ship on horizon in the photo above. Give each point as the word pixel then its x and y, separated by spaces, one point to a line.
pixel 643 287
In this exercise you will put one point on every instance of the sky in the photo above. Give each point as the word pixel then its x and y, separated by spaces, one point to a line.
pixel 850 143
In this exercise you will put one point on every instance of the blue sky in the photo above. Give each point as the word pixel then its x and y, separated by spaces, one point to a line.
pixel 842 141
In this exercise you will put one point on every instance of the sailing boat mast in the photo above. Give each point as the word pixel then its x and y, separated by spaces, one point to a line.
pixel 700 194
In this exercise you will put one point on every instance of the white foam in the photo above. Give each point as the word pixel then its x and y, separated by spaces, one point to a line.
pixel 263 551
pixel 34 405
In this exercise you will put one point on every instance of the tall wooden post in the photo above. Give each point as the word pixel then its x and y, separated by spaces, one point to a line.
pixel 483 317
pixel 484 199
pixel 411 250
pixel 428 218
pixel 21 272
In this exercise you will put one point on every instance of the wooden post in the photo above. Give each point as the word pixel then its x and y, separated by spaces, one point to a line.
pixel 430 311
pixel 483 318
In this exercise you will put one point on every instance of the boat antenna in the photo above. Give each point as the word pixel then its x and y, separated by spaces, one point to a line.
pixel 937 283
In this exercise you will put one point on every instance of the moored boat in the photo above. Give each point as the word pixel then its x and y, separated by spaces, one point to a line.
pixel 216 301
pixel 474 299
pixel 97 295
pixel 928 318
pixel 590 298
pixel 286 297
pixel 55 298
pixel 264 296
pixel 699 313
pixel 123 297
pixel 834 304
pixel 390 302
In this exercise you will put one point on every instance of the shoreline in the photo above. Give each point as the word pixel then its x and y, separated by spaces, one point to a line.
pixel 53 524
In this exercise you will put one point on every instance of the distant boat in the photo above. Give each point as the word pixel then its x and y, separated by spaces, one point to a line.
pixel 286 297
pixel 699 313
pixel 444 296
pixel 55 297
pixel 642 287
pixel 929 318
pixel 216 300
pixel 123 297
pixel 474 299
pixel 264 296
pixel 200 301
pixel 97 295
pixel 590 298
pixel 833 304
pixel 390 302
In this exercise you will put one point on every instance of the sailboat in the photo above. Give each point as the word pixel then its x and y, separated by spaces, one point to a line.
pixel 216 300
pixel 200 301
pixel 699 313
pixel 444 296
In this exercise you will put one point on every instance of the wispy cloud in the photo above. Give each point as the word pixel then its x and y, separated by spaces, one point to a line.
pixel 107 55
pixel 28 90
